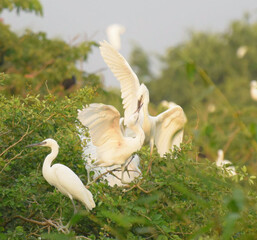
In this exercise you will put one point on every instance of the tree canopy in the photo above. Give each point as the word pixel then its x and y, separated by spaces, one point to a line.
pixel 185 196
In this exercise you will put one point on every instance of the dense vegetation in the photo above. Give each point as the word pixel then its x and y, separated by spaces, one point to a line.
pixel 185 196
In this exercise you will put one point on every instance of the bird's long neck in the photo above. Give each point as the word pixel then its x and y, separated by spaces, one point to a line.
pixel 145 112
pixel 50 157
pixel 220 158
pixel 140 135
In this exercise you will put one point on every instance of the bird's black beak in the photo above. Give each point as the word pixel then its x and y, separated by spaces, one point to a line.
pixel 36 144
pixel 139 104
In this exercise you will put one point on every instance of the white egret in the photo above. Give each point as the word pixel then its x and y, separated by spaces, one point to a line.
pixel 112 147
pixel 253 90
pixel 90 156
pixel 160 130
pixel 113 34
pixel 63 178
pixel 220 162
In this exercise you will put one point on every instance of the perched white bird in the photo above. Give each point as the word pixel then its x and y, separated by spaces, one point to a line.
pixel 112 147
pixel 160 130
pixel 90 156
pixel 253 90
pixel 220 162
pixel 63 178
pixel 113 34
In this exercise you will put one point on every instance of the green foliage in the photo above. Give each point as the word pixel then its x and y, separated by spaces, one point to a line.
pixel 207 77
pixel 22 5
pixel 140 62
pixel 28 120
pixel 33 60
pixel 184 196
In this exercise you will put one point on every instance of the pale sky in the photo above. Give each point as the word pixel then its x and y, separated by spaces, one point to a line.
pixel 153 24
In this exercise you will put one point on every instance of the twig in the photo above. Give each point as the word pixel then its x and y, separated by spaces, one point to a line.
pixel 3 133
pixel 108 171
pixel 27 133
pixel 16 156
pixel 14 144
pixel 231 138
pixel 47 223
pixel 78 237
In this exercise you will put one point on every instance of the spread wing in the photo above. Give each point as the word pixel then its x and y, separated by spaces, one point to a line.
pixel 129 82
pixel 103 123
pixel 169 129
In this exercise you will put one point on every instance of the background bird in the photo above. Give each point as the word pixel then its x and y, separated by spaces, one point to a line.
pixel 69 82
pixel 113 34
pixel 63 178
pixel 112 147
pixel 253 90
pixel 160 130
pixel 225 164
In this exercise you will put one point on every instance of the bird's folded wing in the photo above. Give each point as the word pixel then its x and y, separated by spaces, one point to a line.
pixel 103 123
pixel 168 124
pixel 129 82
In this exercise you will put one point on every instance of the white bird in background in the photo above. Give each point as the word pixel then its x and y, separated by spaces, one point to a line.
pixel 112 147
pixel 63 178
pixel 253 90
pixel 160 130
pixel 220 162
pixel 113 34
pixel 241 51
pixel 90 156
pixel 166 104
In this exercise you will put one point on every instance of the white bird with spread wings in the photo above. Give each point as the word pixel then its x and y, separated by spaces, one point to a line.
pixel 165 130
pixel 112 147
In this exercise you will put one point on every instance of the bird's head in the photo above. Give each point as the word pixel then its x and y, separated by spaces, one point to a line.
pixel 49 142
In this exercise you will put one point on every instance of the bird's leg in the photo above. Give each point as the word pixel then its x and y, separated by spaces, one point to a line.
pixel 88 177
pixel 75 210
pixel 126 165
pixel 123 167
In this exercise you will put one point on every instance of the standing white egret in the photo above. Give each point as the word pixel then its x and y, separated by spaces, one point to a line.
pixel 220 162
pixel 63 178
pixel 253 90
pixel 160 130
pixel 112 147
pixel 113 34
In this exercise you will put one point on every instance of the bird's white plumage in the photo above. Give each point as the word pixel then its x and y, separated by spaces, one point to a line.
pixel 159 129
pixel 90 156
pixel 123 72
pixel 253 90
pixel 63 178
pixel 112 147
pixel 113 34
pixel 103 122
pixel 169 129
pixel 225 164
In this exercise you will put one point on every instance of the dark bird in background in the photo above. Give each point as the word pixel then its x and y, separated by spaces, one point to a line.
pixel 69 82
